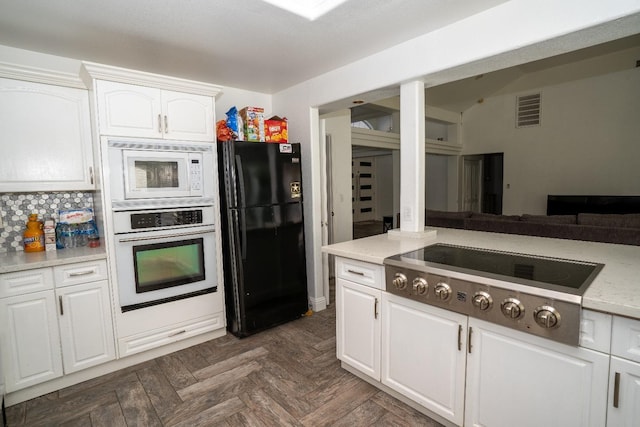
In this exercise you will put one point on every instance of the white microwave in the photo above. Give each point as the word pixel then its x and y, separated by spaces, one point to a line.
pixel 157 173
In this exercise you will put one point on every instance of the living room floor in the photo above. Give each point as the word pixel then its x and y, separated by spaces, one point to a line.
pixel 286 376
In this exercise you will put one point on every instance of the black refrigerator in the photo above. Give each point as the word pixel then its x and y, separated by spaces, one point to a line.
pixel 263 235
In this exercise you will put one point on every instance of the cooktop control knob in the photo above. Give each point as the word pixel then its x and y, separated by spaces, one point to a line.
pixel 420 286
pixel 399 281
pixel 547 316
pixel 442 291
pixel 482 300
pixel 512 308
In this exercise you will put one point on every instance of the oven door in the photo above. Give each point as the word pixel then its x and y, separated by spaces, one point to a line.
pixel 156 267
pixel 159 174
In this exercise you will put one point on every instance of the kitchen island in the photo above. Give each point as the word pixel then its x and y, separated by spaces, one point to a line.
pixel 615 290
pixel 465 370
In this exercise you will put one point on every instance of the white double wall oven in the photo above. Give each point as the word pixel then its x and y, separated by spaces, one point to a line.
pixel 162 209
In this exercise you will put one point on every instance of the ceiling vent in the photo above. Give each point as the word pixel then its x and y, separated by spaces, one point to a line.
pixel 528 113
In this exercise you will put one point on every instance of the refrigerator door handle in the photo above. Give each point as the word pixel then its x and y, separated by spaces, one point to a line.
pixel 243 228
pixel 240 174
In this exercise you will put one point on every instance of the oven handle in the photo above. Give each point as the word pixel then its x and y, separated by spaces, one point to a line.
pixel 164 236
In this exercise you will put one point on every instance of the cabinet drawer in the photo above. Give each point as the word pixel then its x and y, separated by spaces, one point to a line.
pixel 364 273
pixel 23 282
pixel 72 274
pixel 625 339
pixel 595 331
pixel 152 339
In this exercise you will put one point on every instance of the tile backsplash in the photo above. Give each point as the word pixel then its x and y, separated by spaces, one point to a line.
pixel 16 207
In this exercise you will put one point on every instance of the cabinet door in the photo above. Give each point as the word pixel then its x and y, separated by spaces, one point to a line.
pixel 47 131
pixel 424 355
pixel 29 340
pixel 86 328
pixel 187 116
pixel 515 378
pixel 129 110
pixel 624 393
pixel 358 327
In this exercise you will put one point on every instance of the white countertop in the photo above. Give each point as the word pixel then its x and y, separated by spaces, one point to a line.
pixel 615 290
pixel 19 261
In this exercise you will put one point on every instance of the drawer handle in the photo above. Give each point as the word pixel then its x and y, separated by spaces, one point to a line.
pixel 616 390
pixel 184 331
pixel 81 273
pixel 359 273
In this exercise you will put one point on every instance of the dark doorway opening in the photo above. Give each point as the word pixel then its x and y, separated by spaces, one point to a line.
pixel 492 174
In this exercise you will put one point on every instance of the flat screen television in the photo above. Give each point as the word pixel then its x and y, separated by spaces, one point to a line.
pixel 573 205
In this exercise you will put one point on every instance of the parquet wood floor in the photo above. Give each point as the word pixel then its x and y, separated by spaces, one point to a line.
pixel 286 376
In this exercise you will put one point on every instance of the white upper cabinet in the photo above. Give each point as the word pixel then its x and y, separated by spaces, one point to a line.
pixel 137 104
pixel 132 110
pixel 45 138
pixel 187 116
pixel 128 110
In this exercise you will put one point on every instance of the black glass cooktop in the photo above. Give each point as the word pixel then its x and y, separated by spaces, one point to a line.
pixel 571 274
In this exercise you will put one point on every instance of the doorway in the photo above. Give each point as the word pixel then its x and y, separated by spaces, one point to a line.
pixel 483 183
pixel 363 187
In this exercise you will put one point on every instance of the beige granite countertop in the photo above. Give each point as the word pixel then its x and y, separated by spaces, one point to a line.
pixel 615 290
pixel 19 261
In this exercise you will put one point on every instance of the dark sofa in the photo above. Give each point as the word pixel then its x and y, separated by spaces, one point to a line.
pixel 608 228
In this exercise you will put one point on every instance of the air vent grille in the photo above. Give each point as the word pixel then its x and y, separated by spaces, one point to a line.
pixel 528 110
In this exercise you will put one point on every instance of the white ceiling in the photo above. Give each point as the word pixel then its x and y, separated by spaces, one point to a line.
pixel 249 44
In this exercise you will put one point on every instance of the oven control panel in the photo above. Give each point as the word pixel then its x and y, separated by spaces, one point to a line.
pixel 161 219
pixel 165 219
pixel 536 314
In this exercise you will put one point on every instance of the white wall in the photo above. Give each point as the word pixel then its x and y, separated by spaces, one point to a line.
pixel 437 182
pixel 587 142
pixel 240 98
pixel 338 126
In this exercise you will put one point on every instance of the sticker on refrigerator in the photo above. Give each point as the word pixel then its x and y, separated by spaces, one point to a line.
pixel 295 189
pixel 285 148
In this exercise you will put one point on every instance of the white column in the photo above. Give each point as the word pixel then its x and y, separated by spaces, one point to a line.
pixel 412 157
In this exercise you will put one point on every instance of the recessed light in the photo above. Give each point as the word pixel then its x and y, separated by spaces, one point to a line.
pixel 310 9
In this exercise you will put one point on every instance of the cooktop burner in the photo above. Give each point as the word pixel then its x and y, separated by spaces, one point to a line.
pixel 559 274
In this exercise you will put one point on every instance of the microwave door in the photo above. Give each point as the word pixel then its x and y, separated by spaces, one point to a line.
pixel 156 174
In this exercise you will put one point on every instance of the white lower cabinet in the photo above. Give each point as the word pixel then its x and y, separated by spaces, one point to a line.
pixel 624 393
pixel 358 326
pixel 30 340
pixel 624 376
pixel 60 330
pixel 518 379
pixel 475 373
pixel 424 355
pixel 86 330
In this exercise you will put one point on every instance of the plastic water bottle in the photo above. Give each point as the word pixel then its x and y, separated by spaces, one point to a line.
pixel 64 236
pixel 82 234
